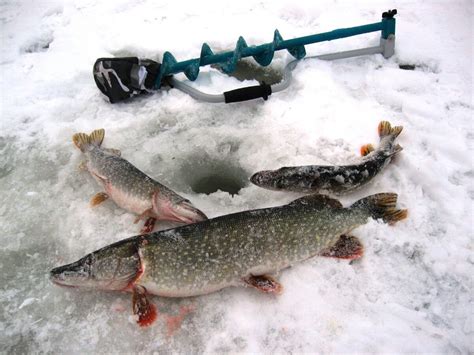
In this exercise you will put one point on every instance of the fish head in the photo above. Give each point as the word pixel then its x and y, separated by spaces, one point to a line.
pixel 272 179
pixel 114 267
pixel 265 178
pixel 175 208
pixel 298 179
pixel 186 212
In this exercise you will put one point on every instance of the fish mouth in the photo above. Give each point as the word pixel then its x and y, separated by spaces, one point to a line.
pixel 254 179
pixel 56 277
pixel 59 283
pixel 260 178
pixel 190 214
pixel 71 275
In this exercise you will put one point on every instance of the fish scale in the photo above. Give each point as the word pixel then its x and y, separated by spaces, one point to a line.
pixel 223 250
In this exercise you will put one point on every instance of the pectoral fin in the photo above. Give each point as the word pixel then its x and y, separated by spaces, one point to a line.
pixel 148 226
pixel 98 198
pixel 100 178
pixel 144 215
pixel 150 220
pixel 347 247
pixel 264 283
pixel 142 307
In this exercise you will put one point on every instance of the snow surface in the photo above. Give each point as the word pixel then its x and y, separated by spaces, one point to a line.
pixel 413 289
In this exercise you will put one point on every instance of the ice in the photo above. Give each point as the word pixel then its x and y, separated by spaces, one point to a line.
pixel 412 290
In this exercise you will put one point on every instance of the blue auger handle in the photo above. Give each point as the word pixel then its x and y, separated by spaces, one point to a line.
pixel 263 54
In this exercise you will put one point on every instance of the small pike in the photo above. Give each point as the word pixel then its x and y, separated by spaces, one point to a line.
pixel 130 188
pixel 334 178
pixel 237 249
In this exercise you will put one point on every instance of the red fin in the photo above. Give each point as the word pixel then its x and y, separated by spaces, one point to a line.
pixel 146 319
pixel 366 149
pixel 146 311
pixel 347 247
pixel 264 283
pixel 148 226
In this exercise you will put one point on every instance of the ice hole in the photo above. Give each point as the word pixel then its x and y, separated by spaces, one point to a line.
pixel 207 176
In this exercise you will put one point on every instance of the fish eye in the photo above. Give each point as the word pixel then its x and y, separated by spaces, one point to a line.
pixel 88 261
pixel 88 264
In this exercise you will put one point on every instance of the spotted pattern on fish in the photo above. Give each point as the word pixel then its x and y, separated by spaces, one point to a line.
pixel 207 256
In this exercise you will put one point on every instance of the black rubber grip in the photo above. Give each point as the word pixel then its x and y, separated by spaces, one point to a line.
pixel 249 93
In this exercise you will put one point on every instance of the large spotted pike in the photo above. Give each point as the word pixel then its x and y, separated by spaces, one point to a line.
pixel 335 178
pixel 130 188
pixel 231 250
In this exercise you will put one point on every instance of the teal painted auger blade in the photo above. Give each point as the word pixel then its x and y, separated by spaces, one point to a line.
pixel 263 54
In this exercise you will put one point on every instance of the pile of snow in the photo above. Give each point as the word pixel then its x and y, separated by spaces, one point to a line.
pixel 411 292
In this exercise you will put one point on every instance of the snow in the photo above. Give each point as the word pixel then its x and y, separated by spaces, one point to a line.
pixel 412 290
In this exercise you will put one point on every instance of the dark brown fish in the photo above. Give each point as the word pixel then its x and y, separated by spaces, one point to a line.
pixel 335 178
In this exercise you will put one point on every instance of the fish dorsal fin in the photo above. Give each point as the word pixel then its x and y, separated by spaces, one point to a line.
pixel 113 151
pixel 316 200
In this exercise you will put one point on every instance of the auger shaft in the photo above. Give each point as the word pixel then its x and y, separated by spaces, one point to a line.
pixel 286 44
pixel 263 54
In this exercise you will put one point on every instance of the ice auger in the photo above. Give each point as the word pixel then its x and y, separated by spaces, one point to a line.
pixel 122 78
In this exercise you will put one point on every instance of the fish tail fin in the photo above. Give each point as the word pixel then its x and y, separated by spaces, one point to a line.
pixel 386 129
pixel 382 206
pixel 83 140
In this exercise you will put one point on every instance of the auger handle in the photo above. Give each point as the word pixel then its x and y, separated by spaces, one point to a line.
pixel 248 93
